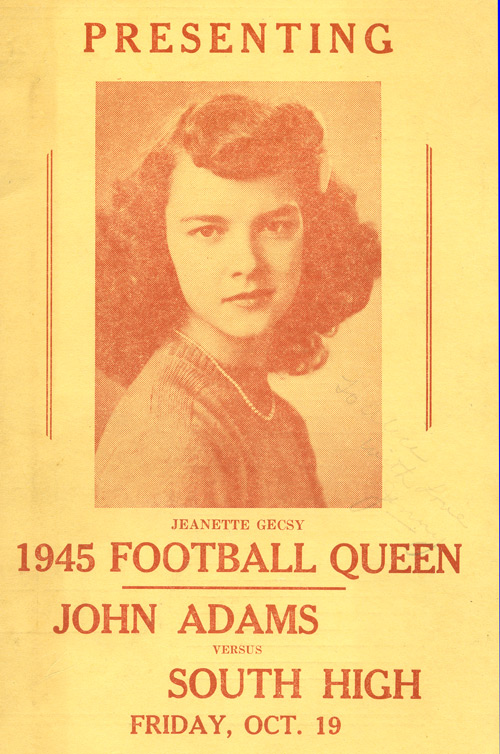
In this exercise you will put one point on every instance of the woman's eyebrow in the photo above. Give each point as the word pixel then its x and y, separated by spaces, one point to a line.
pixel 286 209
pixel 204 219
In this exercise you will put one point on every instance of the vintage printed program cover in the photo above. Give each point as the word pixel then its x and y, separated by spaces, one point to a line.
pixel 249 458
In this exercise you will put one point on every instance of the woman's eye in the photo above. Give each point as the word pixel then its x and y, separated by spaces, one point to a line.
pixel 279 227
pixel 206 231
pixel 274 226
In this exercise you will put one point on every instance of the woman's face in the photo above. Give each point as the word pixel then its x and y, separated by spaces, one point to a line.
pixel 236 247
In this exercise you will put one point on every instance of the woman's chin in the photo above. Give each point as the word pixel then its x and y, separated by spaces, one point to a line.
pixel 234 325
pixel 247 327
pixel 245 333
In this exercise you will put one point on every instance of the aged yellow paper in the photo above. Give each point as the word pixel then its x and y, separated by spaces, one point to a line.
pixel 367 622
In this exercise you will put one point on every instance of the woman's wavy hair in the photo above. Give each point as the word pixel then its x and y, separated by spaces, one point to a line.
pixel 138 297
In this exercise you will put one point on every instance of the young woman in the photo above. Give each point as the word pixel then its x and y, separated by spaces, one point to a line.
pixel 228 255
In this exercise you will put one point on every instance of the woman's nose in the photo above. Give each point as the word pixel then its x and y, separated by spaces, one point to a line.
pixel 244 254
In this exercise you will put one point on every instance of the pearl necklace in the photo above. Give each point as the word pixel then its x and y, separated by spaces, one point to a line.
pixel 265 417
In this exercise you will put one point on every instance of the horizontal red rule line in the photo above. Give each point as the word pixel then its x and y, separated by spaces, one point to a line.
pixel 273 588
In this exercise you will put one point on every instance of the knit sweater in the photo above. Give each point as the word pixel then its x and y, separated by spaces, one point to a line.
pixel 183 436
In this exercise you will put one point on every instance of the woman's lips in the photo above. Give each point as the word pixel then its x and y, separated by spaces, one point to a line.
pixel 251 299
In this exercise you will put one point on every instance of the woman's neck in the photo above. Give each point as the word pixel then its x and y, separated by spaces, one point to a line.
pixel 231 352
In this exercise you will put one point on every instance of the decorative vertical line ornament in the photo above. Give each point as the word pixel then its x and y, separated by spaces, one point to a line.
pixel 48 297
pixel 428 292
